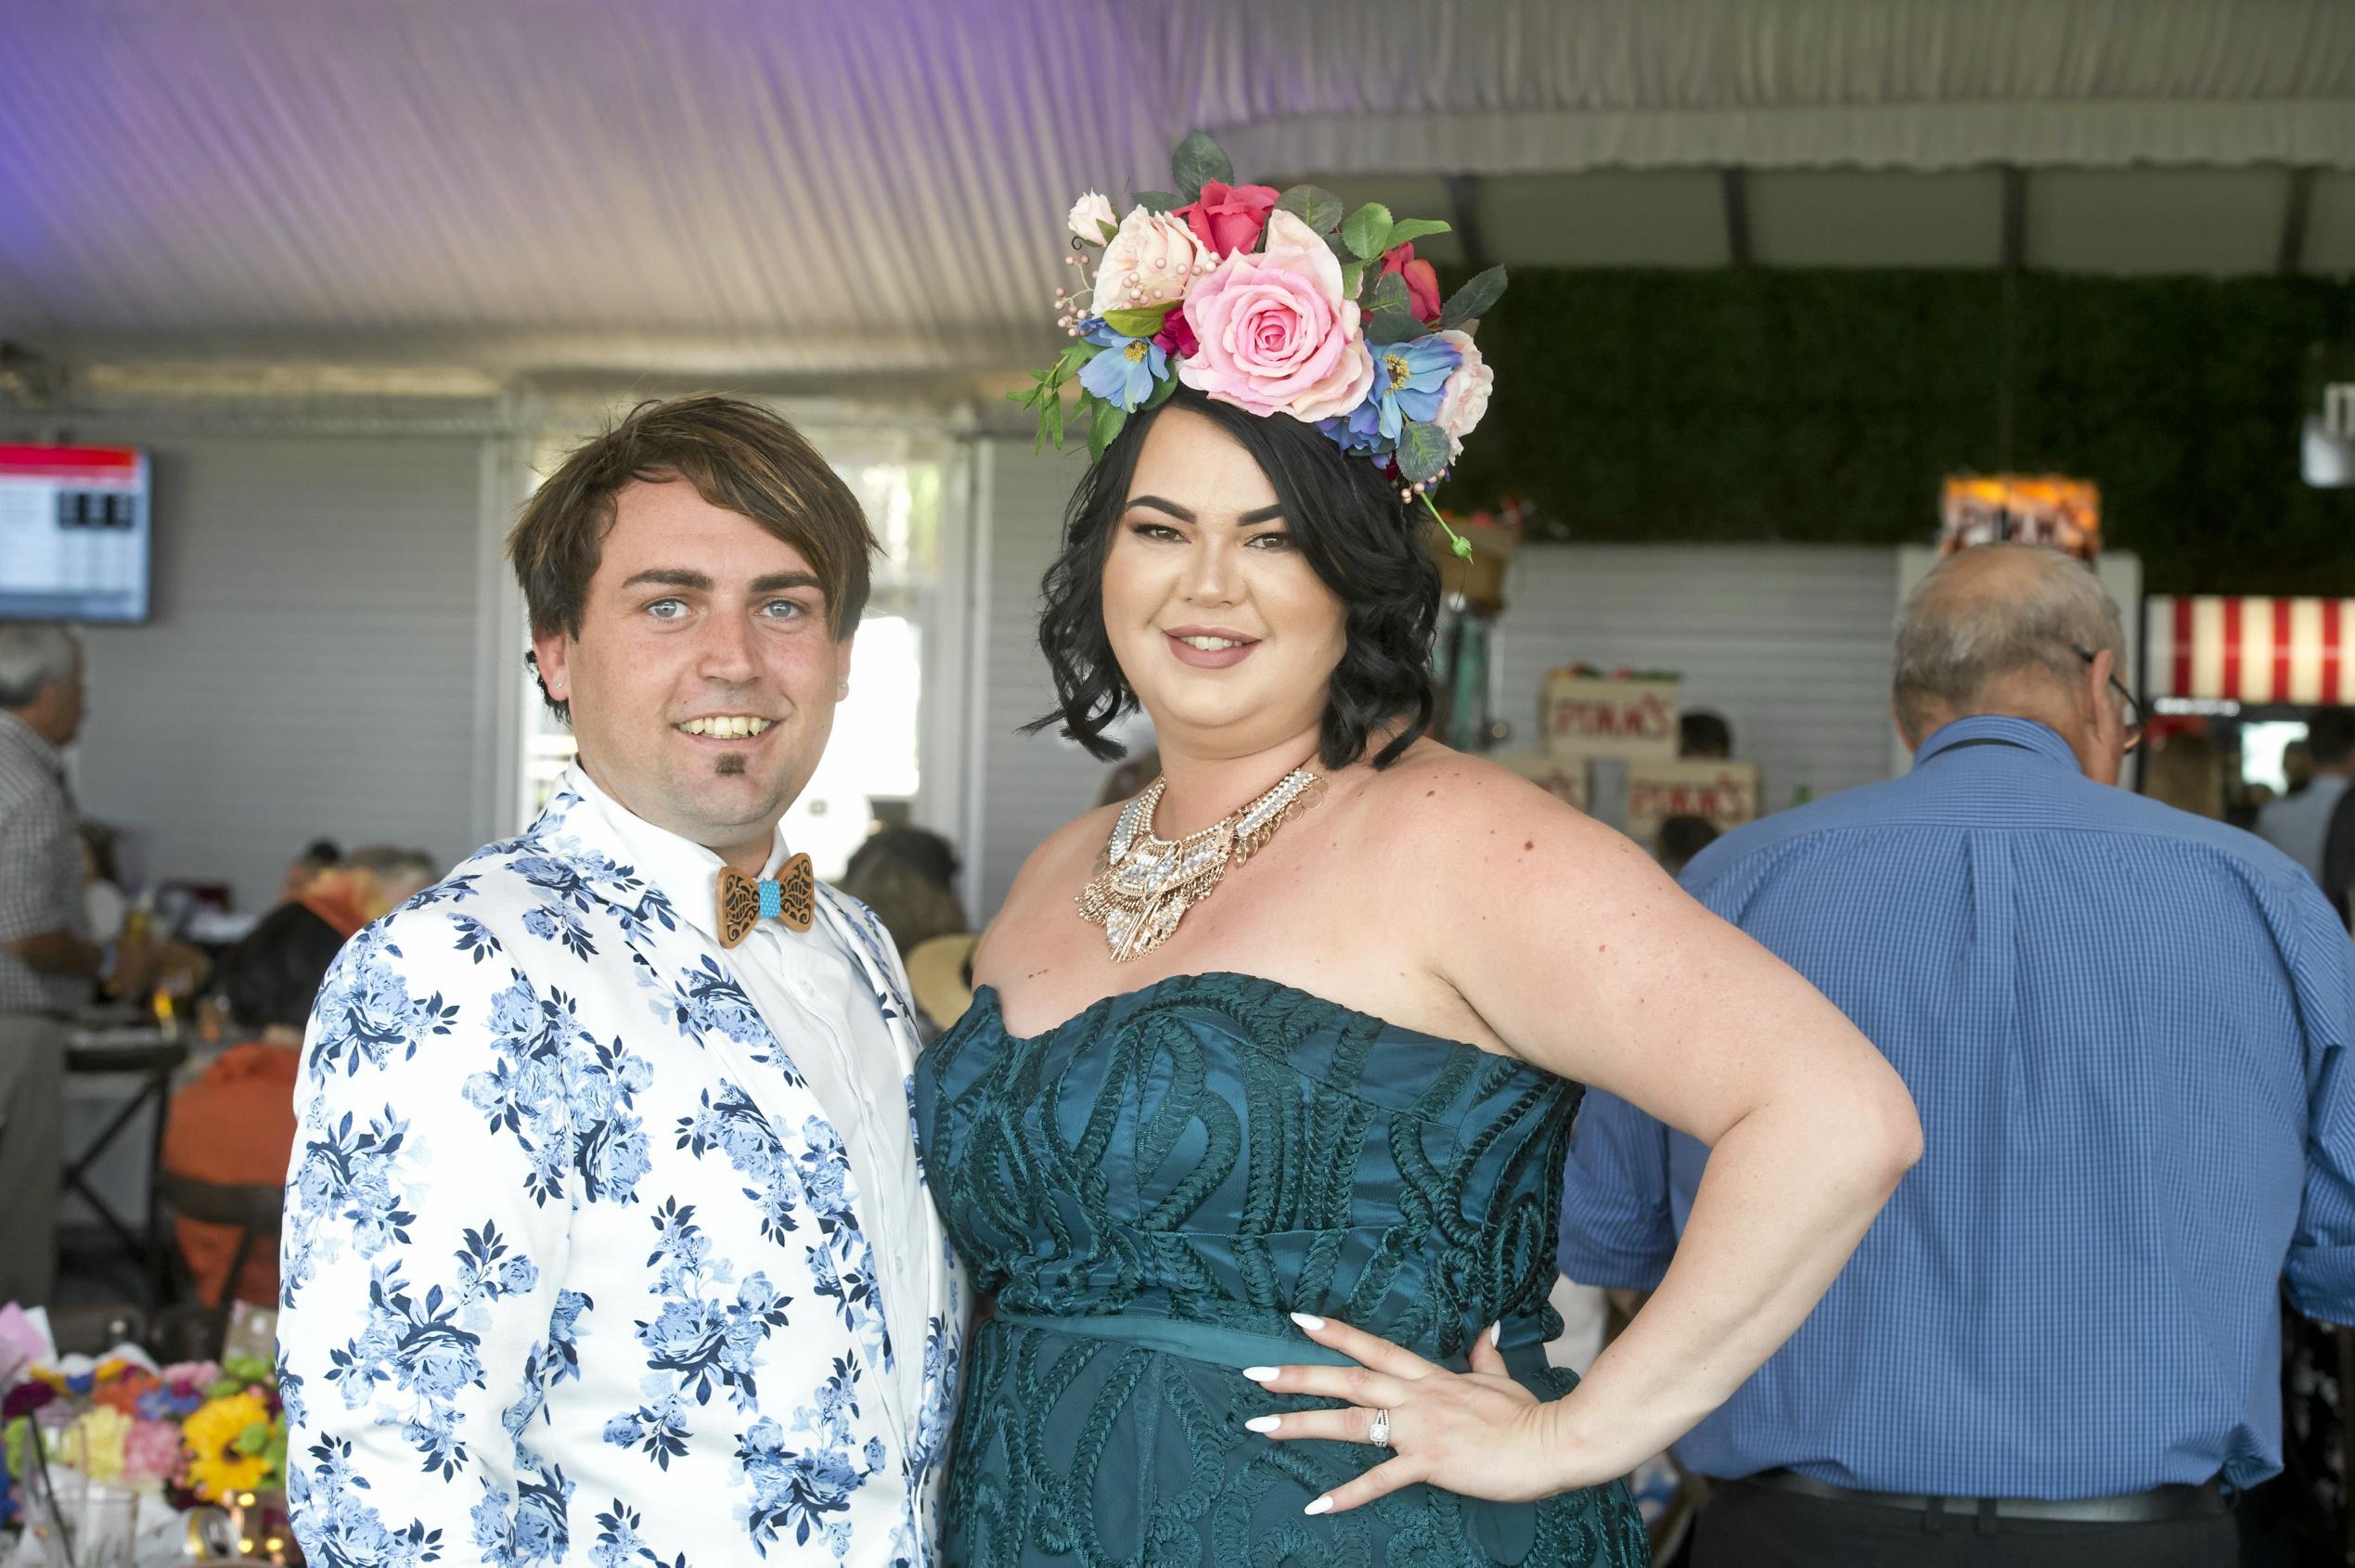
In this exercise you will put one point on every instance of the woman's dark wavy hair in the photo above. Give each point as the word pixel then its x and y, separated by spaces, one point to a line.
pixel 1347 522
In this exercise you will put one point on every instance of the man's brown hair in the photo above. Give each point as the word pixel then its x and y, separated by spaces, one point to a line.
pixel 738 457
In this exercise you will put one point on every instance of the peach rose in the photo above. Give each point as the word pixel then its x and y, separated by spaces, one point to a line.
pixel 1275 335
pixel 1465 398
pixel 1151 262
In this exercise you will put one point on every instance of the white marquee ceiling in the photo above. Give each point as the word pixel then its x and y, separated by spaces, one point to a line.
pixel 827 191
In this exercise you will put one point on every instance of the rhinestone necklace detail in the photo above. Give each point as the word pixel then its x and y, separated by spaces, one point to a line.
pixel 1145 885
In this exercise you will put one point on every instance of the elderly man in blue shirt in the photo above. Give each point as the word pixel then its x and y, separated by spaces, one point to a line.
pixel 2125 1028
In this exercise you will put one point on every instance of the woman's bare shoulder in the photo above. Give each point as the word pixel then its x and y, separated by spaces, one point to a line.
pixel 1441 796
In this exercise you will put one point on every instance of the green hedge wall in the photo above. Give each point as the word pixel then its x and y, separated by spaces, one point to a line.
pixel 1826 406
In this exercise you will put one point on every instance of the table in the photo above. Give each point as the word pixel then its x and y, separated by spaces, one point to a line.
pixel 136 1062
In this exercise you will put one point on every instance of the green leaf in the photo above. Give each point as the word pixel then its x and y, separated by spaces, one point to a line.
pixel 1104 429
pixel 1111 231
pixel 252 1440
pixel 1390 290
pixel 1162 389
pixel 1367 228
pixel 1197 161
pixel 1075 354
pixel 1351 274
pixel 1393 324
pixel 1412 230
pixel 1055 413
pixel 1157 201
pixel 1423 452
pixel 1142 322
pixel 1475 298
pixel 1313 205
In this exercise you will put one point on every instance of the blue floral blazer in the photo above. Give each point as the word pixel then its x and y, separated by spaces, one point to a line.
pixel 572 1266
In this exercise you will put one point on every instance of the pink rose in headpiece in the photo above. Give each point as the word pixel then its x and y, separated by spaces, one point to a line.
pixel 1275 334
pixel 1229 218
pixel 1423 282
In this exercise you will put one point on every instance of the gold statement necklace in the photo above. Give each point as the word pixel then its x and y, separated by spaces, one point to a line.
pixel 1145 885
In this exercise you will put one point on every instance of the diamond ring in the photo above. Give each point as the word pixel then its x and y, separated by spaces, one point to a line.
pixel 1379 1433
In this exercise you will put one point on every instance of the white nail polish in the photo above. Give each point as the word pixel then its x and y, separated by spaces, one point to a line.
pixel 1263 1424
pixel 1260 1374
pixel 1307 1321
pixel 1496 1335
pixel 1322 1504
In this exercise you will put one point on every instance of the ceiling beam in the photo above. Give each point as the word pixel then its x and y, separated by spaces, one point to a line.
pixel 2291 259
pixel 1463 206
pixel 1734 185
pixel 2015 217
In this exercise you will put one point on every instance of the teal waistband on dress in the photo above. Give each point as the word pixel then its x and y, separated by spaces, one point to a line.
pixel 1223 1346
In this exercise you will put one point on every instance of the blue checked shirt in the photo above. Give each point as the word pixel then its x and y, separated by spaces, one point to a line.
pixel 2125 1028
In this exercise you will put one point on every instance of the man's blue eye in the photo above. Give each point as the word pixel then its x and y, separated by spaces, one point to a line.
pixel 784 609
pixel 667 608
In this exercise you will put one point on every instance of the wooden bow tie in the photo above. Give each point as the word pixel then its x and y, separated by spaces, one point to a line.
pixel 743 901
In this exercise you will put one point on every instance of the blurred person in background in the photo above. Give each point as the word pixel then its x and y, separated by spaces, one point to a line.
pixel 2059 1345
pixel 49 963
pixel 1703 736
pixel 907 876
pixel 104 903
pixel 301 871
pixel 2187 773
pixel 234 1126
pixel 1679 840
pixel 2297 769
pixel 2297 825
pixel 368 885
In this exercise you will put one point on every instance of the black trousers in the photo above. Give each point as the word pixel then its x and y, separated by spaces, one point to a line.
pixel 1750 1526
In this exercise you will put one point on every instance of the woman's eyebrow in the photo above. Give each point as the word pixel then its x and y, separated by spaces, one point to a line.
pixel 1172 507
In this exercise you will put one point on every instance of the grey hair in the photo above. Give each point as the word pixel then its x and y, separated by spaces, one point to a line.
pixel 33 654
pixel 1996 611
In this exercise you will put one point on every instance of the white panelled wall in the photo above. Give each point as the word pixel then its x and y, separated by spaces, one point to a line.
pixel 311 665
pixel 1789 642
pixel 1019 787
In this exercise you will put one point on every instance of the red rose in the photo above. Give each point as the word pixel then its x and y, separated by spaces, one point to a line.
pixel 1423 282
pixel 1177 337
pixel 1229 218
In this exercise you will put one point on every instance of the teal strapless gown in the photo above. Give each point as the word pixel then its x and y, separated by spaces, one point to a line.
pixel 1149 1187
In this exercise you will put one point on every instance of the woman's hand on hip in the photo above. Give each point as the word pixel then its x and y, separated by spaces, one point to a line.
pixel 1478 1433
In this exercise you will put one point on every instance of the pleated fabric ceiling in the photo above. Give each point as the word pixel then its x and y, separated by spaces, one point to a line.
pixel 878 186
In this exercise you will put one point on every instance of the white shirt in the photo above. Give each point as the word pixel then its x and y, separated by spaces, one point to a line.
pixel 2297 825
pixel 803 982
pixel 604 1245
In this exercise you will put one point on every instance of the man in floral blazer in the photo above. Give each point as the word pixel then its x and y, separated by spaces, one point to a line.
pixel 606 1242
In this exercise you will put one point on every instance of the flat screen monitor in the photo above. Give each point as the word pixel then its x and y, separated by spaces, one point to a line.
pixel 73 533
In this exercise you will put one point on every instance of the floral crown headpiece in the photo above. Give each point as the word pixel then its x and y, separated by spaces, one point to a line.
pixel 1276 302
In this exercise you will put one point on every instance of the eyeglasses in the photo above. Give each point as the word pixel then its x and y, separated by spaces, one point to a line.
pixel 2133 710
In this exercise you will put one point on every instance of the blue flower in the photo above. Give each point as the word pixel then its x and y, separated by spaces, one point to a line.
pixel 1358 432
pixel 1408 380
pixel 1123 374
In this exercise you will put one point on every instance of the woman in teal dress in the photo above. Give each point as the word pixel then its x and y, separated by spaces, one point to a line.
pixel 1264 1184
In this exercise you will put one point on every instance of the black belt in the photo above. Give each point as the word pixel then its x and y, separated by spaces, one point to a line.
pixel 2160 1503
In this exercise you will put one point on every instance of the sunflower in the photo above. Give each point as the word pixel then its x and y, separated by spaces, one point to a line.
pixel 219 1464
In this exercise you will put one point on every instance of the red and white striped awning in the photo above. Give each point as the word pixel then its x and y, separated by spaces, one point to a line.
pixel 2249 650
